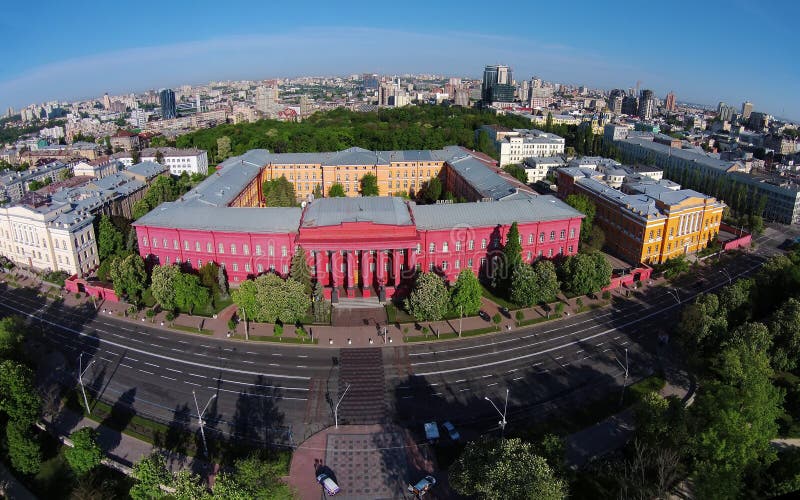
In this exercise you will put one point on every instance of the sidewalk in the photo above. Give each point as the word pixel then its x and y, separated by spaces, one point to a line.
pixel 615 431
pixel 11 488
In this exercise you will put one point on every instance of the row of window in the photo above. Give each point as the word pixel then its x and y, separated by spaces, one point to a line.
pixel 471 243
pixel 220 247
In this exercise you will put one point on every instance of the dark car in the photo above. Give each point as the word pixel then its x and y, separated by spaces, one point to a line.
pixel 505 312
pixel 484 315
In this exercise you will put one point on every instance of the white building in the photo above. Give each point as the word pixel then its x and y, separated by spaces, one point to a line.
pixel 46 235
pixel 517 144
pixel 97 169
pixel 191 161
pixel 537 168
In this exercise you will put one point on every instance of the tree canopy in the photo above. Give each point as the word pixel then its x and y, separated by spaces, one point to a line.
pixel 369 185
pixel 336 191
pixel 129 277
pixel 85 454
pixel 429 299
pixel 466 294
pixel 279 193
pixel 270 298
pixel 584 273
pixel 505 469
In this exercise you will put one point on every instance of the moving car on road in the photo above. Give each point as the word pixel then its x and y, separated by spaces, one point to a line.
pixel 422 486
pixel 330 486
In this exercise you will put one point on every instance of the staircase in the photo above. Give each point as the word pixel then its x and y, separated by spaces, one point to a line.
pixel 365 401
pixel 357 303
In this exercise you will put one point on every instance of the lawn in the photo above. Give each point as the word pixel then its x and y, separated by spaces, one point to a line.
pixel 191 329
pixel 395 314
pixel 498 300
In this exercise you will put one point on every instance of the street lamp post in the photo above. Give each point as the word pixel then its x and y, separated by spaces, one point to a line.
pixel 460 316
pixel 200 420
pixel 336 408
pixel 246 331
pixel 675 292
pixel 81 371
pixel 728 275
pixel 502 414
pixel 625 380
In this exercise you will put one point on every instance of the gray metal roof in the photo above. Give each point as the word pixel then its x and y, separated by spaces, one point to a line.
pixel 702 158
pixel 148 169
pixel 376 209
pixel 249 220
pixel 482 178
pixel 447 216
pixel 222 186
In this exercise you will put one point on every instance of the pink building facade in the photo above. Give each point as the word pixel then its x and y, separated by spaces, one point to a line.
pixel 363 246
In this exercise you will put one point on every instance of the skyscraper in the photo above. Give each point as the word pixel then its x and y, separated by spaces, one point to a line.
pixel 266 99
pixel 669 102
pixel 646 104
pixel 168 108
pixel 630 105
pixel 106 101
pixel 747 108
pixel 724 112
pixel 497 84
pixel 615 100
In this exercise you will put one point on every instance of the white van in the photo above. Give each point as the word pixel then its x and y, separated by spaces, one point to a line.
pixel 330 486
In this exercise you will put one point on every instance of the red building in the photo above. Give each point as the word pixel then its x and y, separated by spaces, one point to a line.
pixel 354 246
pixel 358 245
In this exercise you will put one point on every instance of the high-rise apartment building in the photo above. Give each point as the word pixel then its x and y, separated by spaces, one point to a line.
pixel 266 99
pixel 630 105
pixel 497 84
pixel 669 102
pixel 106 101
pixel 747 108
pixel 724 112
pixel 615 98
pixel 169 109
pixel 646 104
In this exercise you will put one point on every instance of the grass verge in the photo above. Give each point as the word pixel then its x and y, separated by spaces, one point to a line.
pixel 498 300
pixel 450 335
pixel 283 340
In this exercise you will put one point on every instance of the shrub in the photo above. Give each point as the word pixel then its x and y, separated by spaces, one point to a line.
pixel 132 310
pixel 278 329
pixel 170 316
pixel 579 303
pixel 519 315
pixel 496 319
pixel 231 324
pixel 606 295
pixel 559 308
pixel 150 313
pixel 78 295
pixel 425 330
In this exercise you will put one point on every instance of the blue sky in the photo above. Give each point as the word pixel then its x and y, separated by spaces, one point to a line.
pixel 705 51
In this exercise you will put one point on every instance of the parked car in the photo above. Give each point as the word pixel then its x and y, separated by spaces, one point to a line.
pixel 431 432
pixel 327 482
pixel 421 487
pixel 451 431
pixel 505 312
pixel 484 315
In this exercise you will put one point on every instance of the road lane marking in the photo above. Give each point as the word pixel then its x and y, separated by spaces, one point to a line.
pixel 302 366
pixel 302 355
pixel 250 352
pixel 145 371
pixel 407 397
pixel 518 378
pixel 461 380
pixel 196 375
pixel 249 394
pixel 486 376
pixel 169 378
pixel 267 386
pixel 160 356
pixel 248 362
pixel 126 366
pixel 192 383
pixel 559 357
pixel 151 364
pixel 464 390
pixel 493 383
pixel 174 370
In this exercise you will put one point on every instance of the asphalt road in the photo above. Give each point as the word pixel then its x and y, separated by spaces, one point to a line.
pixel 282 394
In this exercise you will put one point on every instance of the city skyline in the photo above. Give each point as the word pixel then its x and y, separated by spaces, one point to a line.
pixel 323 41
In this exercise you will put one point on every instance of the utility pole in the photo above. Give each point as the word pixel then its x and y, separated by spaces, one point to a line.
pixel 502 414
pixel 246 332
pixel 336 408
pixel 200 419
pixel 81 371
pixel 625 380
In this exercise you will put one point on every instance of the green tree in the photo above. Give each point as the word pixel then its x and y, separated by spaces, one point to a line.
pixel 583 273
pixel 23 449
pixel 132 244
pixel 534 284
pixel 270 298
pixel 279 193
pixel 85 454
pixel 19 398
pixel 299 269
pixel 129 277
pixel 466 294
pixel 428 300
pixel 517 171
pixel 260 478
pixel 505 469
pixel 246 299
pixel 109 239
pixel 163 280
pixel 675 266
pixel 512 258
pixel 140 209
pixel 483 143
pixel 369 185
pixel 584 205
pixel 188 486
pixel 430 191
pixel 336 191
pixel 150 473
pixel 223 147
pixel 733 421
pixel 190 295
pixel 784 326
pixel 11 334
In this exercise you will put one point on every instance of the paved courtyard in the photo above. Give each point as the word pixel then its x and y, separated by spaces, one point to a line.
pixel 368 466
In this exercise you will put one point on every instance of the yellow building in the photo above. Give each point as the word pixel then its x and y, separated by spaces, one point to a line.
pixel 396 171
pixel 648 221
